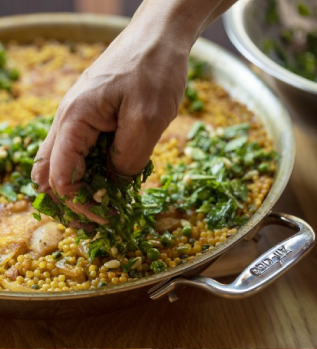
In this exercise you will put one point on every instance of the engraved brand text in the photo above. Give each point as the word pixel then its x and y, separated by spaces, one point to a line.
pixel 267 263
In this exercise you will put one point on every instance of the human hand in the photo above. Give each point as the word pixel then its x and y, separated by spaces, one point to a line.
pixel 134 88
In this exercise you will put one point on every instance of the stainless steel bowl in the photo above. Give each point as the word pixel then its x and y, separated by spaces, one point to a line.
pixel 246 26
pixel 244 86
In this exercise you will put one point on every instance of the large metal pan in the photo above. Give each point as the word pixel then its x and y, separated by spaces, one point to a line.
pixel 244 86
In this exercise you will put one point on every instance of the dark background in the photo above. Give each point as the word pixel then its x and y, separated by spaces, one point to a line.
pixel 215 32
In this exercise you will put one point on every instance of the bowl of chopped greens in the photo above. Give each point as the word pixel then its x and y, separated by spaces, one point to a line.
pixel 212 181
pixel 280 38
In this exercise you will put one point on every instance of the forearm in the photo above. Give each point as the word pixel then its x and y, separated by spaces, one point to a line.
pixel 181 20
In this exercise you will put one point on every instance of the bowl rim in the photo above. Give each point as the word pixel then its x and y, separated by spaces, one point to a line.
pixel 234 25
pixel 205 259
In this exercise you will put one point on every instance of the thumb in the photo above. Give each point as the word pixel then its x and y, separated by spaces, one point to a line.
pixel 76 132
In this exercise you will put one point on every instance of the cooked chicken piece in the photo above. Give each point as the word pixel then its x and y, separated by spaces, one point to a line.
pixel 19 225
pixel 167 223
pixel 75 272
pixel 20 231
pixel 169 220
pixel 10 247
pixel 45 240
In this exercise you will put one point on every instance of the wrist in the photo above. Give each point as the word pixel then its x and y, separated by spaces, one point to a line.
pixel 177 21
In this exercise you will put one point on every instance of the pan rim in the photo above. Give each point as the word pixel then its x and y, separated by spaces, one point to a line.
pixel 286 162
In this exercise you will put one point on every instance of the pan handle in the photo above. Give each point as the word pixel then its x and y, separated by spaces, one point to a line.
pixel 260 273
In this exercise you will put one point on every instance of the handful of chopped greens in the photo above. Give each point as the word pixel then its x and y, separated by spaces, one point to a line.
pixel 213 181
pixel 113 198
pixel 7 76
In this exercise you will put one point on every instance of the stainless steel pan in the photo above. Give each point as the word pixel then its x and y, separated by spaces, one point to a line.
pixel 244 86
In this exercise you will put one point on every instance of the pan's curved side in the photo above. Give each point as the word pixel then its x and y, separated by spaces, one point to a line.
pixel 228 71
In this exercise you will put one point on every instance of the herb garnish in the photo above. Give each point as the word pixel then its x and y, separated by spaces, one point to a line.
pixel 119 202
pixel 213 183
pixel 18 146
pixel 196 70
pixel 297 55
pixel 7 76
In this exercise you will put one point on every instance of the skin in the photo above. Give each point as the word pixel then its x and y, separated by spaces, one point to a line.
pixel 134 88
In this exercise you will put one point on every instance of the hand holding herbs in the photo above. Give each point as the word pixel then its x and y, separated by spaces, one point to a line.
pixel 135 89
pixel 213 181
pixel 108 210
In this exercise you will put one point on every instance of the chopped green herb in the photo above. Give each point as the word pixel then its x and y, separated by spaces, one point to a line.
pixel 57 255
pixel 287 35
pixel 127 267
pixel 38 160
pixel 272 14
pixel 132 245
pixel 196 70
pixel 8 191
pixel 213 184
pixel 21 144
pixel 303 9
pixel 37 216
pixel 82 195
pixel 45 204
pixel 297 55
pixel 7 76
pixel 35 287
pixel 102 284
pixel 74 175
pixel 205 248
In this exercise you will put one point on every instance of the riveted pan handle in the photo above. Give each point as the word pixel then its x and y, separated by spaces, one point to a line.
pixel 259 274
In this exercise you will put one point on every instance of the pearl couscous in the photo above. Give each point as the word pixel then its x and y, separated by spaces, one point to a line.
pixel 58 260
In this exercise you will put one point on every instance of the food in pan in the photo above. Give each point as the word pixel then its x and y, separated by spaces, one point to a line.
pixel 212 169
pixel 295 47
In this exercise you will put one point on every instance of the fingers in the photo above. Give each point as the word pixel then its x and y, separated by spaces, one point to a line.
pixel 67 162
pixel 138 105
pixel 41 167
pixel 80 118
pixel 85 210
pixel 77 133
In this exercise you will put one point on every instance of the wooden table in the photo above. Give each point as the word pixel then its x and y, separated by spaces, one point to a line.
pixel 282 316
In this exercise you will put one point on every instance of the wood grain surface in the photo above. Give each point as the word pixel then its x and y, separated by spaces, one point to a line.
pixel 282 316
